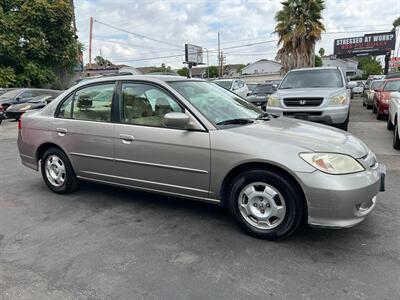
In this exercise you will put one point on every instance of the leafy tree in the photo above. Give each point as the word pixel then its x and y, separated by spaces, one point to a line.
pixel 213 70
pixel 370 66
pixel 37 40
pixel 299 26
pixel 318 61
pixel 101 61
pixel 7 77
pixel 321 52
pixel 163 68
pixel 183 72
pixel 396 22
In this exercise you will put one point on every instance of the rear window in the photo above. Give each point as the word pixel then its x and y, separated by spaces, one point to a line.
pixel 225 84
pixel 376 85
pixel 263 89
pixel 328 78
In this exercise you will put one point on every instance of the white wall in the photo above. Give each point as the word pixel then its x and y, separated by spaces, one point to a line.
pixel 262 67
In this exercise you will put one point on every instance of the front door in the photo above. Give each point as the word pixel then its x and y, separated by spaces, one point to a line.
pixel 151 156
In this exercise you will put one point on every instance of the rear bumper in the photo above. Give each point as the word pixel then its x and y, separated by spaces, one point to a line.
pixel 13 114
pixel 383 108
pixel 340 201
pixel 327 115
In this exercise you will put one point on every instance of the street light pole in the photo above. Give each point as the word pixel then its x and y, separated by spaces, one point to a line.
pixel 90 41
pixel 208 67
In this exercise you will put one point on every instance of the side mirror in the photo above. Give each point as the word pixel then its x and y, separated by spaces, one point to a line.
pixel 176 120
pixel 18 98
pixel 248 94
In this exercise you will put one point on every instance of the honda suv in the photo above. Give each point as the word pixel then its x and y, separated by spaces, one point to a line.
pixel 314 94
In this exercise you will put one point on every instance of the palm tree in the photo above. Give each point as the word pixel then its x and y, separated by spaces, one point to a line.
pixel 299 26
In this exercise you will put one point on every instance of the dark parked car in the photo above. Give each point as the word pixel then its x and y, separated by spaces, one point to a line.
pixel 259 96
pixel 23 95
pixel 15 111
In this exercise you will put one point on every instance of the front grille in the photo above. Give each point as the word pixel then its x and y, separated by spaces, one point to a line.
pixel 304 101
pixel 309 113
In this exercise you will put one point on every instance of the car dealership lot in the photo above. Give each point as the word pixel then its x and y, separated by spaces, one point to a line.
pixel 104 242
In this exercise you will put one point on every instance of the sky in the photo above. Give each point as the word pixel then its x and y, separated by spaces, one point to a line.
pixel 155 32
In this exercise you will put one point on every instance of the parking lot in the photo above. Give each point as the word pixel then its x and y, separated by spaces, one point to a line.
pixel 103 242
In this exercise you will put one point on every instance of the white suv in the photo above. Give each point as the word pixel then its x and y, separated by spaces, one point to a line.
pixel 238 86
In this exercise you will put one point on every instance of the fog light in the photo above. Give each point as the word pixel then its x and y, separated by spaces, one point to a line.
pixel 364 208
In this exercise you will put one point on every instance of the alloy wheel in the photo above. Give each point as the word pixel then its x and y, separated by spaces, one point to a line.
pixel 261 205
pixel 55 170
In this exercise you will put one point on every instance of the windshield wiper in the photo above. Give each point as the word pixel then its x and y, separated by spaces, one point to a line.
pixel 235 121
pixel 287 87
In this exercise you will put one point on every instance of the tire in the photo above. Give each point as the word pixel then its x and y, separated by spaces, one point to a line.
pixel 389 125
pixel 345 125
pixel 61 168
pixel 285 211
pixel 374 108
pixel 369 106
pixel 379 116
pixel 396 138
pixel 364 104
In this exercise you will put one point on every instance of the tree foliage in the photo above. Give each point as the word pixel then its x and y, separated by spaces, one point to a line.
pixel 318 61
pixel 396 22
pixel 321 52
pixel 183 72
pixel 370 66
pixel 101 61
pixel 213 70
pixel 299 26
pixel 37 40
pixel 163 69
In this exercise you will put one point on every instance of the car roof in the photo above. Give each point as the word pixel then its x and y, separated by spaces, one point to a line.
pixel 392 79
pixel 225 79
pixel 154 78
pixel 315 69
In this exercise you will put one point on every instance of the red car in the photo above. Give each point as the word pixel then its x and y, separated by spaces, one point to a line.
pixel 382 97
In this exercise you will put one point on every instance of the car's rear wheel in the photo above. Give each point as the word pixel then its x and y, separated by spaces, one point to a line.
pixel 379 116
pixel 396 137
pixel 266 204
pixel 390 125
pixel 57 171
pixel 374 110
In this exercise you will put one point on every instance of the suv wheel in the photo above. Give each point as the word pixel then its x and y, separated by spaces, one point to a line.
pixel 266 204
pixel 396 138
pixel 57 172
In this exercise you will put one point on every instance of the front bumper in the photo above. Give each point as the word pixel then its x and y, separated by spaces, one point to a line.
pixel 330 115
pixel 340 201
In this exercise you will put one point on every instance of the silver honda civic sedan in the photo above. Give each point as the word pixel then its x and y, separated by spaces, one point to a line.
pixel 193 139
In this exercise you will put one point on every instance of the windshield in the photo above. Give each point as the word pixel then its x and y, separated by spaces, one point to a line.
pixel 224 83
pixel 11 94
pixel 263 89
pixel 215 103
pixel 392 86
pixel 328 78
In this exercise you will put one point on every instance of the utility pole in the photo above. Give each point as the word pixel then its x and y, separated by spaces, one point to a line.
pixel 219 57
pixel 208 67
pixel 90 41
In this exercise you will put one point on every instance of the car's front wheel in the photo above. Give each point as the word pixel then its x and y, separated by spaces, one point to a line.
pixel 396 137
pixel 57 171
pixel 266 204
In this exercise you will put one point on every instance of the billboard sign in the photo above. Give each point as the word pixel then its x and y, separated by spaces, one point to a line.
pixel 193 54
pixel 394 62
pixel 369 44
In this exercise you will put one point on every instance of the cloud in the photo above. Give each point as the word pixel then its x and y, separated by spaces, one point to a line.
pixel 177 22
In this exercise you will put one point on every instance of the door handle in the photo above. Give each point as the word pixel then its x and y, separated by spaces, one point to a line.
pixel 126 138
pixel 61 131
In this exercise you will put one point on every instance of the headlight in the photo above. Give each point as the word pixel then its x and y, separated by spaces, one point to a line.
pixel 273 100
pixel 338 100
pixel 26 107
pixel 333 163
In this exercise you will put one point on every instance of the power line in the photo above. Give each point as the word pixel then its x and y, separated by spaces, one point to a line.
pixel 136 34
pixel 130 44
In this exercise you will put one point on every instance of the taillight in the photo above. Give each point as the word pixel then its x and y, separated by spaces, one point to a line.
pixel 20 123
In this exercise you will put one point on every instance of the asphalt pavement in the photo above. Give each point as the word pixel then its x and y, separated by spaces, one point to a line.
pixel 109 243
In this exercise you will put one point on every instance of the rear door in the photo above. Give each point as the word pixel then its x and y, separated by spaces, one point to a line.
pixel 151 156
pixel 84 129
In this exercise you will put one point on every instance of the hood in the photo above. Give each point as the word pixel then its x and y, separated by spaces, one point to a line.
pixel 310 92
pixel 306 135
pixel 17 107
